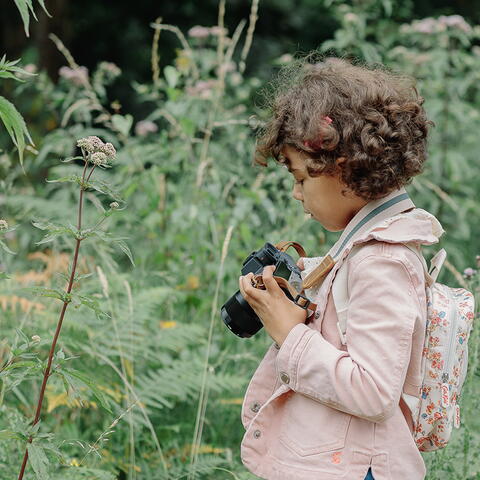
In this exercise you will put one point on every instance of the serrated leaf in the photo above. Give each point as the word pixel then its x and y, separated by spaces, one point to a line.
pixel 125 249
pixel 54 231
pixel 39 461
pixel 48 292
pixel 71 178
pixel 22 335
pixel 89 383
pixel 91 303
pixel 103 187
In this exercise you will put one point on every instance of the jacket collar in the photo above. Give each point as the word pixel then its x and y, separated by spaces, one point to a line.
pixel 416 225
pixel 393 218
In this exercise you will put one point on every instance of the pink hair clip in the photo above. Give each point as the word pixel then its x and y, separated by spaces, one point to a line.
pixel 317 145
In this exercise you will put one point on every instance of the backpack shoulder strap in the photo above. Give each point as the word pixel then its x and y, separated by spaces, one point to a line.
pixel 340 283
pixel 340 293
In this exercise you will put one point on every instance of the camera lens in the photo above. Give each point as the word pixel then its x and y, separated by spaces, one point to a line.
pixel 240 317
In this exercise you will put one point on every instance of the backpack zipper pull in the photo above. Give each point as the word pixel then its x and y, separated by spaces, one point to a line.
pixel 456 419
pixel 445 392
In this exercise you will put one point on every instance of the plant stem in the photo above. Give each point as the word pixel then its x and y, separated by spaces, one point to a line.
pixel 59 325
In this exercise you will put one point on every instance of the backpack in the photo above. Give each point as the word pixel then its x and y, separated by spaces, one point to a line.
pixel 450 313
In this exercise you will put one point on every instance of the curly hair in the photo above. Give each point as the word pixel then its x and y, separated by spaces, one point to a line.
pixel 378 124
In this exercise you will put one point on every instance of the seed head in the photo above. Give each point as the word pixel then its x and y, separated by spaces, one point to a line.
pixel 98 158
pixel 109 150
pixel 3 225
pixel 91 144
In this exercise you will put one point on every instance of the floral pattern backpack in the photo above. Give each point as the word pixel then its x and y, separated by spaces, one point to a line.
pixel 450 313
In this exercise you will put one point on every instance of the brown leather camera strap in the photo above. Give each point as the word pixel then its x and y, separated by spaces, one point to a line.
pixel 283 246
pixel 299 298
pixel 315 277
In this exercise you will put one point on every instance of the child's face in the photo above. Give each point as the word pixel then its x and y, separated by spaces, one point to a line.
pixel 322 196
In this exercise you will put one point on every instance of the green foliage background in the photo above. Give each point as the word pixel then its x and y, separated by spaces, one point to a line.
pixel 191 192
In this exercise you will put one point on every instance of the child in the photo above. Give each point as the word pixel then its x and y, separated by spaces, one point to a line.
pixel 322 406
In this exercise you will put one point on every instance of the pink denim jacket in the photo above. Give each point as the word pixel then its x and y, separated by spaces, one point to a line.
pixel 319 410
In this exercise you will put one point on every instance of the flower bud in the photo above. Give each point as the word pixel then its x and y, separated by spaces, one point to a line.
pixel 114 205
pixel 469 273
pixel 35 339
pixel 3 225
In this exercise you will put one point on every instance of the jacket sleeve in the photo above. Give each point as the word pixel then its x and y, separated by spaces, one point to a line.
pixel 367 380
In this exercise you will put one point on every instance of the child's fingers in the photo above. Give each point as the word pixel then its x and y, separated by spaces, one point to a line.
pixel 248 291
pixel 300 264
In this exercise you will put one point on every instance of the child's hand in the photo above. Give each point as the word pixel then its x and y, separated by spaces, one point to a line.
pixel 275 310
pixel 300 264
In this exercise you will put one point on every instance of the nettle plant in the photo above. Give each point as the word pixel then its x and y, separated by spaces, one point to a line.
pixel 22 363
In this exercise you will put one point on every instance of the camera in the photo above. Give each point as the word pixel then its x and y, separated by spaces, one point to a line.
pixel 236 312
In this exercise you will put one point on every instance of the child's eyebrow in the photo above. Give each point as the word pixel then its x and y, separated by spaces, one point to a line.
pixel 288 166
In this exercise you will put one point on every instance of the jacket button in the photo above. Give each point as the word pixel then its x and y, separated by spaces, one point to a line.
pixel 277 346
pixel 255 407
pixel 257 433
pixel 284 377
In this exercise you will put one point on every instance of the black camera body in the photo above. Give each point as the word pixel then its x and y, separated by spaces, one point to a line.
pixel 236 312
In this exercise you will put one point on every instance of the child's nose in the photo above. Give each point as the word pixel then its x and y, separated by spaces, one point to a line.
pixel 296 194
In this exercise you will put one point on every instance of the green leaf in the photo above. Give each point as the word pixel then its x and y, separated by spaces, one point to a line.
pixel 4 247
pixel 49 292
pixel 125 249
pixel 91 303
pixel 70 372
pixel 9 434
pixel 172 75
pixel 103 187
pixel 122 123
pixel 15 125
pixel 107 237
pixel 71 178
pixel 8 70
pixel 39 461
pixel 3 276
pixel 55 231
pixel 23 7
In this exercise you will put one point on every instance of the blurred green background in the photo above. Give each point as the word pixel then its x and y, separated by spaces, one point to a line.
pixel 144 367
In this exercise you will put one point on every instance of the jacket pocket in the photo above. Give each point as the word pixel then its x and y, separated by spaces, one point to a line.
pixel 310 427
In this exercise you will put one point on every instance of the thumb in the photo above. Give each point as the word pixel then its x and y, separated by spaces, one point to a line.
pixel 300 264
pixel 268 280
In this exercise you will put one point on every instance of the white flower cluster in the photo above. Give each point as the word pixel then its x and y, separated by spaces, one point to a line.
pixel 3 225
pixel 110 69
pixel 144 127
pixel 432 25
pixel 202 32
pixel 76 76
pixel 99 153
